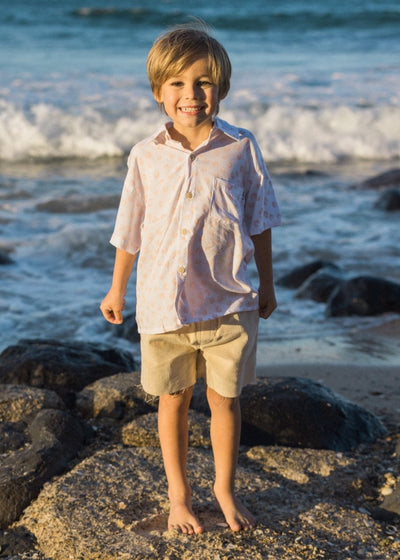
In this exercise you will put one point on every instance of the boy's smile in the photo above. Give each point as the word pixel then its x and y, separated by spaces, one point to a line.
pixel 190 99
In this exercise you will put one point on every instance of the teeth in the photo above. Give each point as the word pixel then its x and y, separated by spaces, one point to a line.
pixel 189 109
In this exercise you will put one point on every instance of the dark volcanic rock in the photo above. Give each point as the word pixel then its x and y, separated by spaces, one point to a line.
pixel 390 178
pixel 56 437
pixel 389 201
pixel 298 412
pixel 320 285
pixel 5 259
pixel 12 436
pixel 16 541
pixel 119 396
pixel 77 204
pixel 298 275
pixel 63 367
pixel 364 295
pixel 391 503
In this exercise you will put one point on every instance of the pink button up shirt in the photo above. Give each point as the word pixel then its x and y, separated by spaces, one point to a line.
pixel 191 215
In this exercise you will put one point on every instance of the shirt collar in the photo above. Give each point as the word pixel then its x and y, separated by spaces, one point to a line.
pixel 162 135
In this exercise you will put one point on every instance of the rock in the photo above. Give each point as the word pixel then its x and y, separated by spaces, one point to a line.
pixel 56 437
pixel 16 541
pixel 320 285
pixel 391 503
pixel 63 367
pixel 364 295
pixel 298 465
pixel 298 275
pixel 5 259
pixel 390 178
pixel 143 431
pixel 389 201
pixel 12 436
pixel 18 402
pixel 78 204
pixel 118 396
pixel 298 412
pixel 113 506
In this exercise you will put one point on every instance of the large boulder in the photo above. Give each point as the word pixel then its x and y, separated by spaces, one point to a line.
pixel 55 439
pixel 298 412
pixel 77 204
pixel 387 179
pixel 63 367
pixel 299 274
pixel 143 430
pixel 5 259
pixel 113 506
pixel 389 201
pixel 364 295
pixel 18 402
pixel 320 285
pixel 118 396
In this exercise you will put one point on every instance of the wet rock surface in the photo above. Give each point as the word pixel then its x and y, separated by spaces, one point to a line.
pixel 388 179
pixel 389 201
pixel 299 412
pixel 364 296
pixel 63 367
pixel 344 296
pixel 86 481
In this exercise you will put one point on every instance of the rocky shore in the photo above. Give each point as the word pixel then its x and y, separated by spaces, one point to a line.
pixel 81 472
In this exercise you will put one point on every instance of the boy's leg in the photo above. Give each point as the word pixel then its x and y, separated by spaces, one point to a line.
pixel 225 439
pixel 173 431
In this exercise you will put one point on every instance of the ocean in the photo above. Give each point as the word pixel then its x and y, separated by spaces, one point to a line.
pixel 318 83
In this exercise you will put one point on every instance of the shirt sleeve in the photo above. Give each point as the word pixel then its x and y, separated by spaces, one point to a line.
pixel 130 215
pixel 261 207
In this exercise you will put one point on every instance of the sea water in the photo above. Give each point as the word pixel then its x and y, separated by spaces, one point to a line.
pixel 317 83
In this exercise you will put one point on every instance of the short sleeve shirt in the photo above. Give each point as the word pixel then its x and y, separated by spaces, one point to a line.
pixel 191 215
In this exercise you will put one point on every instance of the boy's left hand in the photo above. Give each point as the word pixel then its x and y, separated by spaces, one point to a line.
pixel 267 303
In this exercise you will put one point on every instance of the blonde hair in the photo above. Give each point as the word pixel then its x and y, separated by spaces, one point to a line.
pixel 175 50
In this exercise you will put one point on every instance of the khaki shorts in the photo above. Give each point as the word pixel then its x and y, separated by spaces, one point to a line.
pixel 222 351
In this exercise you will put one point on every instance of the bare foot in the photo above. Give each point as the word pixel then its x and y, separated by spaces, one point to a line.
pixel 182 519
pixel 236 514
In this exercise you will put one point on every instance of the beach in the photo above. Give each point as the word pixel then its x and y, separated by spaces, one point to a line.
pixel 318 85
pixel 364 369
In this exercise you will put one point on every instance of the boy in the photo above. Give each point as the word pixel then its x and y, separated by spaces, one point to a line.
pixel 198 204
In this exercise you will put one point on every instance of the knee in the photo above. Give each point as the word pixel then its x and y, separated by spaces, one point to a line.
pixel 217 401
pixel 177 401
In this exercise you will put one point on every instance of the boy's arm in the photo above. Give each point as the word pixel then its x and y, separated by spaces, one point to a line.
pixel 114 302
pixel 263 259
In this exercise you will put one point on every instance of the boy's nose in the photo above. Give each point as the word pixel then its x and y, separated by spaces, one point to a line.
pixel 192 91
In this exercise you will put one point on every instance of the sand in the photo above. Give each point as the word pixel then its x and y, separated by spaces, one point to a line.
pixel 364 367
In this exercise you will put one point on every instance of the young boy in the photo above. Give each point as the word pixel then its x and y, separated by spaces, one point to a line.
pixel 198 204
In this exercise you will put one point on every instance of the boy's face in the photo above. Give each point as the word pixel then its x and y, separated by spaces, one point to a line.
pixel 190 99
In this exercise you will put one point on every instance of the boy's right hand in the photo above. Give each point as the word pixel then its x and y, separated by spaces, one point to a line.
pixel 112 306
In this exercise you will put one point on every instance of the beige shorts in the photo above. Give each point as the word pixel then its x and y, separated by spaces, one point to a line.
pixel 222 351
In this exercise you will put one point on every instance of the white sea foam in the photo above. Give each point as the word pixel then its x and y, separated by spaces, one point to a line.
pixel 310 133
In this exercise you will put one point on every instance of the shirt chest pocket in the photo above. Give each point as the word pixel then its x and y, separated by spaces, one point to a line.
pixel 227 201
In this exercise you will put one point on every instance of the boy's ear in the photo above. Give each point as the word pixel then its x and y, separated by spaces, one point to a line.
pixel 157 96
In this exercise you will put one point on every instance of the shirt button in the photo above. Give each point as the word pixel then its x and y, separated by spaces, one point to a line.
pixel 181 270
pixel 192 157
pixel 189 195
pixel 184 231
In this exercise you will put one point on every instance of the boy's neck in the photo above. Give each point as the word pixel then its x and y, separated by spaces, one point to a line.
pixel 191 138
